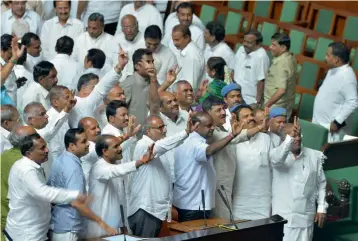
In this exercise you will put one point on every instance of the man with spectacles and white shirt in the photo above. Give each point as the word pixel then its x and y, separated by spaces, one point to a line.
pixel 30 197
pixel 9 122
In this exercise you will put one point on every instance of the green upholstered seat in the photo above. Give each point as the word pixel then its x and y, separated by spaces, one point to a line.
pixel 306 108
pixel 262 8
pixel 308 74
pixel 324 21
pixel 289 11
pixel 354 58
pixel 239 5
pixel 297 40
pixel 207 13
pixel 233 21
pixel 321 48
pixel 313 136
pixel 297 101
pixel 221 18
pixel 351 29
pixel 268 29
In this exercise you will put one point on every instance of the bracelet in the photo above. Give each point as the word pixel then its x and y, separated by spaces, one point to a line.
pixel 153 80
pixel 14 61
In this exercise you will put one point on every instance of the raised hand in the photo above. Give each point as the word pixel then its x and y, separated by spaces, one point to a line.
pixel 149 155
pixel 295 128
pixel 152 73
pixel 133 128
pixel 16 51
pixel 202 88
pixel 172 74
pixel 236 126
pixel 189 125
pixel 264 126
pixel 122 58
pixel 320 219
pixel 71 102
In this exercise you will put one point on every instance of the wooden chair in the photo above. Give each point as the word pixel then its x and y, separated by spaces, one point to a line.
pixel 291 11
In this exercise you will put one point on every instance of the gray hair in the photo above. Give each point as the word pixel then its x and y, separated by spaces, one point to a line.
pixel 7 112
pixel 148 122
pixel 56 92
pixel 20 27
pixel 175 86
pixel 31 110
pixel 96 17
pixel 16 139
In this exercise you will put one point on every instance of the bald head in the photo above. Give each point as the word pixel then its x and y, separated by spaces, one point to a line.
pixel 129 18
pixel 18 135
pixel 115 93
pixel 129 26
pixel 91 127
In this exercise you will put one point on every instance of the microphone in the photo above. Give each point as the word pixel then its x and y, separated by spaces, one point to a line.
pixel 228 205
pixel 123 222
pixel 203 202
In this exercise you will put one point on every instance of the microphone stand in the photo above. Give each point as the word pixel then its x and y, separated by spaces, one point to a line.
pixel 228 206
pixel 203 201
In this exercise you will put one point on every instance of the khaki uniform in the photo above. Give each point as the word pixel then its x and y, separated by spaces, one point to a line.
pixel 282 74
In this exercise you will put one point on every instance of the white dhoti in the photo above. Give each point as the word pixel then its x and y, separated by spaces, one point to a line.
pixel 298 234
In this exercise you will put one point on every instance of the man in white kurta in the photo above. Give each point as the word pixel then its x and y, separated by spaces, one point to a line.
pixel 232 96
pixel 252 186
pixel 95 38
pixel 250 67
pixel 104 184
pixel 184 15
pixel 61 25
pixel 215 46
pixel 67 68
pixel 145 13
pixel 129 40
pixel 150 186
pixel 337 98
pixel 298 183
pixel 164 59
pixel 189 57
pixel 9 121
pixel 30 197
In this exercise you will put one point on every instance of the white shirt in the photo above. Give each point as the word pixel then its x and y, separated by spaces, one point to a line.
pixel 173 20
pixel 192 63
pixel 151 184
pixel 21 71
pixel 4 141
pixel 227 124
pixel 88 161
pixel 31 17
pixel 107 190
pixel 194 171
pixel 164 60
pixel 52 30
pixel 49 11
pixel 129 47
pixel 32 61
pixel 67 70
pixel 10 84
pixel 296 186
pixel 172 129
pixel 35 92
pixel 249 69
pixel 252 187
pixel 337 98
pixel 197 36
pixel 104 42
pixel 146 15
pixel 220 50
pixel 30 201
pixel 110 9
pixel 86 107
pixel 276 140
pixel 56 142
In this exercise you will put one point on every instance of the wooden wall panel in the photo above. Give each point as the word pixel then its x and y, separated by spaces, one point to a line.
pixel 351 6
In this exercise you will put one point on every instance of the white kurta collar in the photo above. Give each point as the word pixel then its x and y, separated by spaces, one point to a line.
pixel 186 49
pixel 5 132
